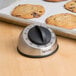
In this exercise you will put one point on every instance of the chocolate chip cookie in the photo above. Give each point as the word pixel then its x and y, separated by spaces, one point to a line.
pixel 28 11
pixel 64 20
pixel 71 6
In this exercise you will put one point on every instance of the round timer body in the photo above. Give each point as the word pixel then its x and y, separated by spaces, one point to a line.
pixel 37 40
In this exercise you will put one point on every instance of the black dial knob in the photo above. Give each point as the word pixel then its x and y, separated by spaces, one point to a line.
pixel 39 35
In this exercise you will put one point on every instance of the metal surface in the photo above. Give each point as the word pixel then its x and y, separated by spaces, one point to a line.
pixel 26 47
pixel 5 15
pixel 5 3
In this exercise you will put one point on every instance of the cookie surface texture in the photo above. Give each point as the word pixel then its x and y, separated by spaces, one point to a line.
pixel 71 6
pixel 28 11
pixel 64 20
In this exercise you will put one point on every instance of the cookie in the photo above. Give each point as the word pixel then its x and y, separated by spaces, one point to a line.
pixel 54 0
pixel 64 20
pixel 28 11
pixel 71 6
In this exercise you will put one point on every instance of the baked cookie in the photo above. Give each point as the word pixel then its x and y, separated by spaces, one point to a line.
pixel 54 0
pixel 28 11
pixel 71 6
pixel 64 20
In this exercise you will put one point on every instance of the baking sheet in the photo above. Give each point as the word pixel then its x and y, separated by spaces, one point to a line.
pixel 51 8
pixel 5 3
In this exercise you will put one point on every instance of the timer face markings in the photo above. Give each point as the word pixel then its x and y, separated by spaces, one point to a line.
pixel 26 39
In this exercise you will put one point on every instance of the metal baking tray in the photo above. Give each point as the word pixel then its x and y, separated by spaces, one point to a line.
pixel 51 8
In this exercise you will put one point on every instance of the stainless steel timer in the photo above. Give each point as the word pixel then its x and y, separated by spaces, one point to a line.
pixel 37 40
